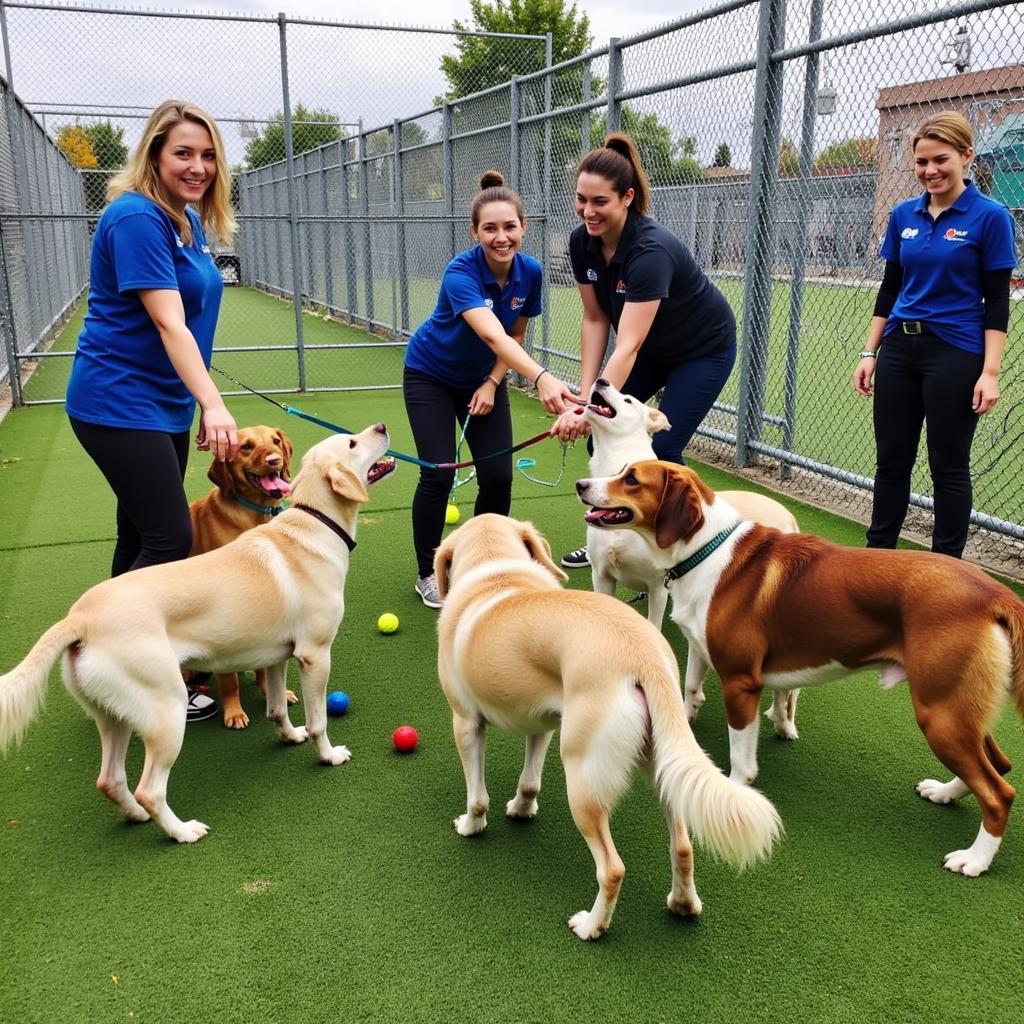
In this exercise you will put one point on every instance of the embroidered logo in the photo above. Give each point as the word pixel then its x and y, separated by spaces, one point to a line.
pixel 517 301
pixel 591 274
pixel 489 303
pixel 181 244
pixel 909 233
pixel 953 235
pixel 620 288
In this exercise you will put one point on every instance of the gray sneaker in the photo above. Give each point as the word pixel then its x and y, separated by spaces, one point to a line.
pixel 426 587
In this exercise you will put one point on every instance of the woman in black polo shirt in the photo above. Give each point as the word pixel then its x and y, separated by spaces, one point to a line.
pixel 674 330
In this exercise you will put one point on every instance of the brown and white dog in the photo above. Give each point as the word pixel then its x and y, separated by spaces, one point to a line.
pixel 778 610
pixel 517 652
pixel 273 594
pixel 620 428
pixel 248 492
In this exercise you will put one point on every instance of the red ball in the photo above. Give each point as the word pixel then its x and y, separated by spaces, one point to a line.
pixel 405 738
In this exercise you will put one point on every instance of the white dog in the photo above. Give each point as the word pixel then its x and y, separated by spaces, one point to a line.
pixel 274 593
pixel 517 652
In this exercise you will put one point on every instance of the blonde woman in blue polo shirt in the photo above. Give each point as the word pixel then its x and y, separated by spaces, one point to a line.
pixel 455 364
pixel 937 336
pixel 142 359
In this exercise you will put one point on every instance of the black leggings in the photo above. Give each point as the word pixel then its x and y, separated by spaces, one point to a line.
pixel 920 379
pixel 436 413
pixel 145 470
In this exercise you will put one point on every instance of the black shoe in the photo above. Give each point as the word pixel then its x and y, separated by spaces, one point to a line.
pixel 576 559
pixel 200 704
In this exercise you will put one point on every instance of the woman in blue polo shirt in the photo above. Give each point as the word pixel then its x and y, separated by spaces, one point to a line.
pixel 455 364
pixel 938 332
pixel 142 357
pixel 674 330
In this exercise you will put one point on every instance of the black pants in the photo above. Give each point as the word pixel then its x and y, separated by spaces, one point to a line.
pixel 436 414
pixel 920 379
pixel 145 470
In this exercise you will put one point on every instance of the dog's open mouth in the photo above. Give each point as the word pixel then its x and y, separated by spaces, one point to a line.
pixel 599 406
pixel 608 516
pixel 380 469
pixel 271 484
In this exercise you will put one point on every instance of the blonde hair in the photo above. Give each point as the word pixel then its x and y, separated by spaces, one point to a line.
pixel 948 126
pixel 618 161
pixel 215 213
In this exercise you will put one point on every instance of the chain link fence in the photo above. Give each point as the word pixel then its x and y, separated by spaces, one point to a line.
pixel 776 136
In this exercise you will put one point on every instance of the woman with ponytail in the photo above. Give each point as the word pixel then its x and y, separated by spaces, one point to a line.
pixel 455 364
pixel 674 330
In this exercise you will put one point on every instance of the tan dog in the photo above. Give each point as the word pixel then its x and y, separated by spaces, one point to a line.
pixel 518 652
pixel 620 428
pixel 248 493
pixel 771 609
pixel 273 594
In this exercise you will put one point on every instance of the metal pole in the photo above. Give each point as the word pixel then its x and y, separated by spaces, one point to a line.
pixel 351 286
pixel 448 172
pixel 585 121
pixel 364 193
pixel 614 83
pixel 326 204
pixel 545 248
pixel 7 329
pixel 293 211
pixel 513 139
pixel 757 291
pixel 796 298
pixel 403 262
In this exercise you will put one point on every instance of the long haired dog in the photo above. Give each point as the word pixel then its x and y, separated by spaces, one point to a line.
pixel 248 491
pixel 273 594
pixel 772 609
pixel 518 652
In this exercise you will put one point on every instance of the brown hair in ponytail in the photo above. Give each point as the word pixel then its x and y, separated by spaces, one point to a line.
pixel 618 161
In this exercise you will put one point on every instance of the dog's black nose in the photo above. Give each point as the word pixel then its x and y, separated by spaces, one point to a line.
pixel 581 486
pixel 601 382
pixel 380 428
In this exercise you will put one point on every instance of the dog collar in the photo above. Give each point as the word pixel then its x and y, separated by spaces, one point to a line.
pixel 263 510
pixel 329 522
pixel 683 567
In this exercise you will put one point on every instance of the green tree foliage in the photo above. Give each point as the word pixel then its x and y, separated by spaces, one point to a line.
pixel 310 129
pixel 723 156
pixel 108 145
pixel 482 62
pixel 789 160
pixel 861 153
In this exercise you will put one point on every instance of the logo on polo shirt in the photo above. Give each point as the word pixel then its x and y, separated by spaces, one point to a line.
pixel 591 274
pixel 489 303
pixel 909 233
pixel 517 301
pixel 953 235
pixel 620 288
pixel 181 244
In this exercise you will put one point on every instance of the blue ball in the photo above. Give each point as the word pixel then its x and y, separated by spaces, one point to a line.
pixel 337 702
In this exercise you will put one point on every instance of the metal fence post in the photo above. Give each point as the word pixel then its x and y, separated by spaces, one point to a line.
pixel 364 193
pixel 403 263
pixel 351 283
pixel 514 101
pixel 293 206
pixel 448 173
pixel 757 290
pixel 614 83
pixel 545 247
pixel 7 326
pixel 326 205
pixel 803 209
pixel 585 118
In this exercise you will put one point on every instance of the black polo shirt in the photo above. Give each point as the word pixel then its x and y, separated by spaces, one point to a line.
pixel 694 319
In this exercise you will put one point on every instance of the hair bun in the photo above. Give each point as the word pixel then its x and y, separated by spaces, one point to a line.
pixel 491 179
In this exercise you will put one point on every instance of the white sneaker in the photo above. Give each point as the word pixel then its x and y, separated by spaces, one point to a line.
pixel 426 587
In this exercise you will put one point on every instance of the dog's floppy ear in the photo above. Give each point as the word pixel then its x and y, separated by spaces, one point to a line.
pixel 680 514
pixel 443 565
pixel 540 550
pixel 346 484
pixel 656 421
pixel 286 451
pixel 223 476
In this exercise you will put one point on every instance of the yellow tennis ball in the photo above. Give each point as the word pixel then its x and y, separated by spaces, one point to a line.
pixel 451 515
pixel 388 622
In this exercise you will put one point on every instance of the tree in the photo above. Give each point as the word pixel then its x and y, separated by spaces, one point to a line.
pixel 75 144
pixel 483 62
pixel 789 160
pixel 310 129
pixel 108 145
pixel 723 156
pixel 848 154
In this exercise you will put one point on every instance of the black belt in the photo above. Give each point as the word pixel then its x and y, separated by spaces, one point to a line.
pixel 914 327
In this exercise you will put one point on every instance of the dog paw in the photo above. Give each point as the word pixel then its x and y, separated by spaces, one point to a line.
pixel 190 832
pixel 338 755
pixel 966 862
pixel 239 721
pixel 519 807
pixel 137 814
pixel 685 906
pixel 583 926
pixel 294 735
pixel 693 702
pixel 937 792
pixel 470 824
pixel 291 696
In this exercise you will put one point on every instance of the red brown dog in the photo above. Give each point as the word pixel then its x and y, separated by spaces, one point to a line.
pixel 790 610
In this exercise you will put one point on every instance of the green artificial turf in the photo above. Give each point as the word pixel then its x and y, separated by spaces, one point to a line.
pixel 343 894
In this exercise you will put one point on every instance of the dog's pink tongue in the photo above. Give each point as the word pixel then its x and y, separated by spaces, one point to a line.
pixel 275 483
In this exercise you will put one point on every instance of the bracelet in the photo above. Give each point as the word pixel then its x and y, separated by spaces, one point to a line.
pixel 539 375
pixel 496 383
pixel 868 354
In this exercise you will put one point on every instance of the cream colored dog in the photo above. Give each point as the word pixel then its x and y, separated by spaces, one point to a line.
pixel 274 593
pixel 621 427
pixel 518 652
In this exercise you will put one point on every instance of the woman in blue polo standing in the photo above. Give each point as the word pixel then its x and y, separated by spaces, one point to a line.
pixel 937 335
pixel 455 364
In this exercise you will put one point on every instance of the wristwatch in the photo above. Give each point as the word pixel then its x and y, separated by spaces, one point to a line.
pixel 868 354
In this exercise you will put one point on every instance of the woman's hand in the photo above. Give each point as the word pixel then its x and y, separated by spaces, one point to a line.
pixel 864 375
pixel 482 401
pixel 217 432
pixel 571 425
pixel 986 393
pixel 555 395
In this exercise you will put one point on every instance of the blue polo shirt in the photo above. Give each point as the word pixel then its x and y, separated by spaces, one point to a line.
pixel 122 376
pixel 445 346
pixel 943 260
